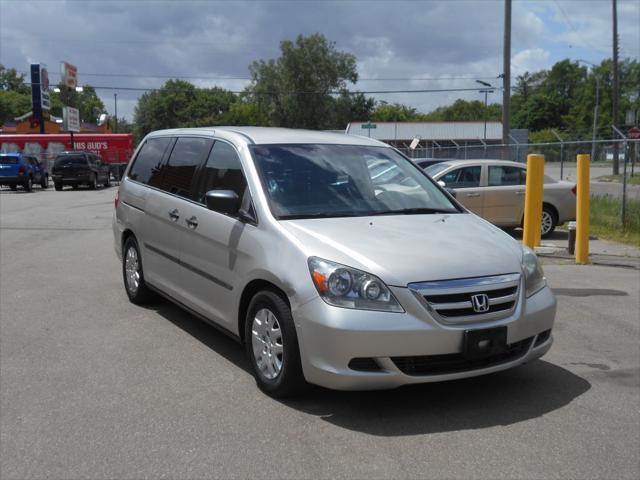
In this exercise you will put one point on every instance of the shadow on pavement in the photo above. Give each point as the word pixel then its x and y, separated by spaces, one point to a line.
pixel 503 398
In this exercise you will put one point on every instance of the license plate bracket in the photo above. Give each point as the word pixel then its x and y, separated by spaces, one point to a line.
pixel 482 343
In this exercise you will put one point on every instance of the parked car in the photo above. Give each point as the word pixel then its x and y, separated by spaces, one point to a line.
pixel 281 239
pixel 18 169
pixel 494 190
pixel 80 168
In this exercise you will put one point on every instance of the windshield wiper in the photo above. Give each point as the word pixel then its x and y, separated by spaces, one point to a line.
pixel 299 216
pixel 414 211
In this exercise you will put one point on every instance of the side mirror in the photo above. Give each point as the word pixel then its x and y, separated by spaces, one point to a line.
pixel 223 201
pixel 442 184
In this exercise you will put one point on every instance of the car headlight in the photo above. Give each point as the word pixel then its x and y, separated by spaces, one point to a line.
pixel 347 287
pixel 534 279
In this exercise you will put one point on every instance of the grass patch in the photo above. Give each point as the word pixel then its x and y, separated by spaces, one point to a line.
pixel 604 217
pixel 635 180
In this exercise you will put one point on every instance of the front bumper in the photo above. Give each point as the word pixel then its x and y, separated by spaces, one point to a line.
pixel 330 337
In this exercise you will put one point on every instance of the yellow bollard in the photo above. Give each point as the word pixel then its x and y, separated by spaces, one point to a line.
pixel 582 210
pixel 533 200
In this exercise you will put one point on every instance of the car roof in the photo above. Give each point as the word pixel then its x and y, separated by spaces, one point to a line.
pixel 273 135
pixel 485 161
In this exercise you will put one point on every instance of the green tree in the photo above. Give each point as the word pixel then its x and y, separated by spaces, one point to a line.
pixel 11 80
pixel 465 110
pixel 180 104
pixel 87 102
pixel 393 112
pixel 295 90
pixel 15 95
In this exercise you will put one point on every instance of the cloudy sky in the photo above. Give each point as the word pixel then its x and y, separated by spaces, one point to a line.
pixel 399 45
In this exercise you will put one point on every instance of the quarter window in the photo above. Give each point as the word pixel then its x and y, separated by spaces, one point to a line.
pixel 466 177
pixel 500 175
pixel 223 171
pixel 147 165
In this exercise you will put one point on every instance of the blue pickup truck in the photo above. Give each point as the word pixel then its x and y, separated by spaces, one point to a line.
pixel 18 169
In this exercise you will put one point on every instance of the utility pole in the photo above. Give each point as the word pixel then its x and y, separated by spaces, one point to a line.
pixel 506 77
pixel 115 101
pixel 614 100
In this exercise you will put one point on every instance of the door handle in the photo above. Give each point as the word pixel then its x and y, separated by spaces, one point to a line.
pixel 192 222
pixel 174 215
pixel 520 192
pixel 473 194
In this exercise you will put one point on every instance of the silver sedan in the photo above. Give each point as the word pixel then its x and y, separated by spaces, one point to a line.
pixel 494 190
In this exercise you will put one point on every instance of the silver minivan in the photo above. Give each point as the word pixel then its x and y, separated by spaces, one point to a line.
pixel 333 259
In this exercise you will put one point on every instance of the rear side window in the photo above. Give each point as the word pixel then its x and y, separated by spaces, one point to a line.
pixel 187 155
pixel 70 160
pixel 146 166
pixel 223 171
pixel 466 177
pixel 9 160
pixel 502 175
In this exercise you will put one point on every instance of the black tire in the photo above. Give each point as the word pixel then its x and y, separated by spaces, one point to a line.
pixel 107 182
pixel 44 182
pixel 57 186
pixel 93 183
pixel 13 187
pixel 142 295
pixel 549 221
pixel 74 186
pixel 290 380
pixel 28 185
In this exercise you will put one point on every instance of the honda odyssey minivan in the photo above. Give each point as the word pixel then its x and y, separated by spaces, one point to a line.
pixel 328 269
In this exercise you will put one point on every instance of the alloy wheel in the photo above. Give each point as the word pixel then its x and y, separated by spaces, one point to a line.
pixel 547 222
pixel 267 343
pixel 132 270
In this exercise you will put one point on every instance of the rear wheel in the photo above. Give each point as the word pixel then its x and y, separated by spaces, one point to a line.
pixel 272 345
pixel 28 185
pixel 134 283
pixel 44 183
pixel 549 221
pixel 93 183
pixel 58 186
pixel 107 182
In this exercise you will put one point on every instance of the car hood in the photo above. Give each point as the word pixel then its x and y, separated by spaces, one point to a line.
pixel 401 249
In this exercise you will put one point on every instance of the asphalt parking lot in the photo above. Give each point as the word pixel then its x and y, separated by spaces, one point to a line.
pixel 94 387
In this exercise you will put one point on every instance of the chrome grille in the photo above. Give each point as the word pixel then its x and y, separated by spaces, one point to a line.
pixel 450 301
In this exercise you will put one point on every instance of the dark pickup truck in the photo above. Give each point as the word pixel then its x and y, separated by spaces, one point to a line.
pixel 80 168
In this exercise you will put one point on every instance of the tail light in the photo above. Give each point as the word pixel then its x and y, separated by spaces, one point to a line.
pixel 22 170
pixel 116 201
pixel 574 189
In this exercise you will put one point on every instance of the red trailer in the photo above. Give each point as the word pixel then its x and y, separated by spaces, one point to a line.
pixel 114 148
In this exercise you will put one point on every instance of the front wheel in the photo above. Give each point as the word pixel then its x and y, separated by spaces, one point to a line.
pixel 272 345
pixel 28 186
pixel 107 182
pixel 549 221
pixel 93 183
pixel 44 183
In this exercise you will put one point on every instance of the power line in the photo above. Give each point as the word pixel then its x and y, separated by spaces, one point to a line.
pixel 330 92
pixel 244 77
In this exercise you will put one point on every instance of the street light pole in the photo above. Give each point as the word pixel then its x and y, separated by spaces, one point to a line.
pixel 486 92
pixel 115 101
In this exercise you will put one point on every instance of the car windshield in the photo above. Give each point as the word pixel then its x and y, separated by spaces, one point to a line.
pixel 433 170
pixel 70 160
pixel 318 180
pixel 9 160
